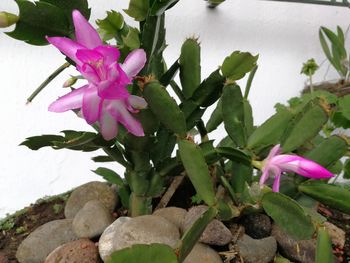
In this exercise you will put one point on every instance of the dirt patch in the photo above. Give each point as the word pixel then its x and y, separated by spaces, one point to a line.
pixel 18 226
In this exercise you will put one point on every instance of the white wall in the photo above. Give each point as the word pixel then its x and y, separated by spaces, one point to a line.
pixel 284 34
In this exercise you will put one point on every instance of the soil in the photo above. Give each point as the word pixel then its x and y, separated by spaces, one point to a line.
pixel 15 228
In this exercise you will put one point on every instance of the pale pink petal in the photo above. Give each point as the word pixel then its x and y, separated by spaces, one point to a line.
pixel 134 62
pixel 91 105
pixel 84 32
pixel 274 151
pixel 108 126
pixel 276 183
pixel 66 46
pixel 118 110
pixel 136 102
pixel 70 101
pixel 110 54
pixel 265 175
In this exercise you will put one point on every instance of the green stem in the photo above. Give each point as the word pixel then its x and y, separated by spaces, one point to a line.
pixel 311 86
pixel 47 81
pixel 249 82
pixel 140 205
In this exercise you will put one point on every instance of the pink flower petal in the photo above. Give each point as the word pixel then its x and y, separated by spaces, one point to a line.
pixel 134 62
pixel 276 183
pixel 84 32
pixel 90 57
pixel 108 126
pixel 118 110
pixel 89 73
pixel 274 151
pixel 91 105
pixel 70 101
pixel 66 46
pixel 136 102
pixel 110 54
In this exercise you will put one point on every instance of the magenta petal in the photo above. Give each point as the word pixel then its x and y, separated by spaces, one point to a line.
pixel 108 126
pixel 66 46
pixel 70 101
pixel 91 105
pixel 311 169
pixel 118 110
pixel 110 54
pixel 89 73
pixel 276 183
pixel 274 151
pixel 84 32
pixel 134 62
pixel 89 56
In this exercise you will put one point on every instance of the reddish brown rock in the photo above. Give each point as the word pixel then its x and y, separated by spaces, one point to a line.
pixel 79 251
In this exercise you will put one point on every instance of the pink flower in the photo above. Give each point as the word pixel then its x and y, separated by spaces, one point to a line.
pixel 105 99
pixel 275 164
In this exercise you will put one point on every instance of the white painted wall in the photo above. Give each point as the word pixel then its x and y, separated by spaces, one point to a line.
pixel 284 34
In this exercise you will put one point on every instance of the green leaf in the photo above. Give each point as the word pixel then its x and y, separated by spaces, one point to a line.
pixel 197 170
pixel 210 154
pixel 271 131
pixel 159 6
pixel 190 69
pixel 109 175
pixel 102 159
pixel 242 174
pixel 307 124
pixel 165 108
pixel 164 146
pixel 138 9
pixel 328 151
pixel 38 20
pixel 233 114
pixel 234 154
pixel 69 5
pixel 132 39
pixel 153 42
pixel 331 195
pixel 169 75
pixel 238 64
pixel 347 169
pixel 288 215
pixel 215 118
pixel 37 142
pixel 154 253
pixel 324 251
pixel 344 106
pixel 248 117
pixel 111 24
pixel 190 238
pixel 209 90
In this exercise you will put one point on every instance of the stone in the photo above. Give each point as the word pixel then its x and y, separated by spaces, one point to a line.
pixel 3 258
pixel 174 215
pixel 216 233
pixel 79 251
pixel 257 250
pixel 92 220
pixel 87 192
pixel 257 225
pixel 296 250
pixel 336 234
pixel 43 240
pixel 202 254
pixel 147 229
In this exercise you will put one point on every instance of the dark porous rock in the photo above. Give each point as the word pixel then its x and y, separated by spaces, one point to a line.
pixel 203 254
pixel 87 192
pixel 257 250
pixel 79 251
pixel 257 225
pixel 44 239
pixel 296 250
pixel 216 233
pixel 92 220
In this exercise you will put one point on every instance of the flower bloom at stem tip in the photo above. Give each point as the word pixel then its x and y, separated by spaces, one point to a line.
pixel 276 163
pixel 105 99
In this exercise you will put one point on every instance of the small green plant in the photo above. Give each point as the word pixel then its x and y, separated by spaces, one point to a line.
pixel 57 208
